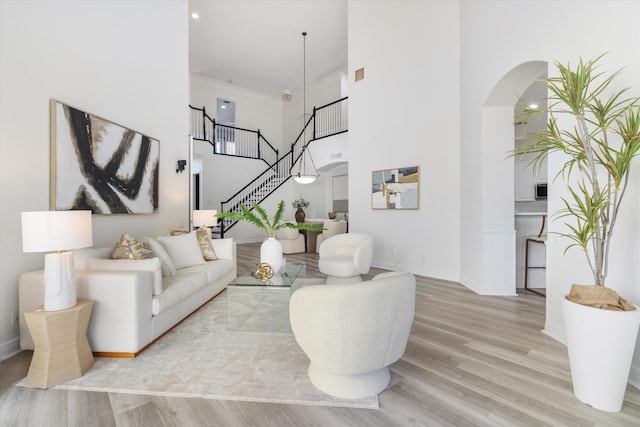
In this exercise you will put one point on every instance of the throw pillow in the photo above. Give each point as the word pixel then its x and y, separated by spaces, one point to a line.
pixel 183 249
pixel 167 265
pixel 223 248
pixel 152 264
pixel 128 248
pixel 205 244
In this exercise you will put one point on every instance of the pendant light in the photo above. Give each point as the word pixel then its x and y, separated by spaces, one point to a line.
pixel 304 175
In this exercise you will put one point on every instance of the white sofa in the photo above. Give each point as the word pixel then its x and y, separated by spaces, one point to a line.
pixel 134 304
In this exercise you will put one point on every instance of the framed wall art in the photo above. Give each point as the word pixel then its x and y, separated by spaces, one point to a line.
pixel 101 166
pixel 396 188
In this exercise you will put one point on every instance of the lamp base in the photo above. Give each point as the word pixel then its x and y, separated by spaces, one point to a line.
pixel 59 281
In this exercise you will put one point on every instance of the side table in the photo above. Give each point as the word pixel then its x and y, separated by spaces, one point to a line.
pixel 62 351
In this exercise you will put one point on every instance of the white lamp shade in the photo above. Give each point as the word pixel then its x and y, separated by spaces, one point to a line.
pixel 304 179
pixel 206 218
pixel 48 231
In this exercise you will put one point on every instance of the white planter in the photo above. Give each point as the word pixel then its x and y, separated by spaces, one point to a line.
pixel 601 345
pixel 271 253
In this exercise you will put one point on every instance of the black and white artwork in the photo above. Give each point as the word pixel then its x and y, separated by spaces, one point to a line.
pixel 101 166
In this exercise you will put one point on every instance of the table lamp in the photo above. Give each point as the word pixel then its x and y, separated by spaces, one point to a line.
pixel 205 218
pixel 58 231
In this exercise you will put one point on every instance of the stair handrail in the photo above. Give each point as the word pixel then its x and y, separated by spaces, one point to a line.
pixel 275 174
pixel 205 128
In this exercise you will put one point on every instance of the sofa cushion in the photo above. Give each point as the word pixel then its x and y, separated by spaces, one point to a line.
pixel 178 288
pixel 129 248
pixel 151 264
pixel 223 248
pixel 168 268
pixel 213 269
pixel 208 253
pixel 81 256
pixel 183 249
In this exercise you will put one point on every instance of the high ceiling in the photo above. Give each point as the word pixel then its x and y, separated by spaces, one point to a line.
pixel 258 44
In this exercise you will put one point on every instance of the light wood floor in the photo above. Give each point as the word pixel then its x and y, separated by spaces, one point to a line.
pixel 471 361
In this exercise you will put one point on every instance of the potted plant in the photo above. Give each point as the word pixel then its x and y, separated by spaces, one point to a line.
pixel 271 249
pixel 299 204
pixel 600 146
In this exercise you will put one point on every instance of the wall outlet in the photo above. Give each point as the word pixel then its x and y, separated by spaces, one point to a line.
pixel 15 317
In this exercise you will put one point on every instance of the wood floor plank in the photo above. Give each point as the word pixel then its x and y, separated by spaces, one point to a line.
pixel 471 360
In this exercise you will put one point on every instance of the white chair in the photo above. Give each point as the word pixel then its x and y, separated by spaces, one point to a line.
pixel 293 242
pixel 353 332
pixel 344 257
pixel 331 228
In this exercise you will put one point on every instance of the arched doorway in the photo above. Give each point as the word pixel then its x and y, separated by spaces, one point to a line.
pixel 498 228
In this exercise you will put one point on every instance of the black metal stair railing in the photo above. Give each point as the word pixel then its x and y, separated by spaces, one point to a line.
pixel 325 121
pixel 231 140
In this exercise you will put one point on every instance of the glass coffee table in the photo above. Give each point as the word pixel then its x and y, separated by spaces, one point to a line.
pixel 255 305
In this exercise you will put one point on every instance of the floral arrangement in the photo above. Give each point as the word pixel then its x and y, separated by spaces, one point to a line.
pixel 299 203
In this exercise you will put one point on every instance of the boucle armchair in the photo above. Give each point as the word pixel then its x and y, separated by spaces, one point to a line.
pixel 292 240
pixel 344 257
pixel 353 332
pixel 331 228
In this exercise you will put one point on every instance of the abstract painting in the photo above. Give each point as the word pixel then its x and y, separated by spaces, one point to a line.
pixel 396 188
pixel 101 166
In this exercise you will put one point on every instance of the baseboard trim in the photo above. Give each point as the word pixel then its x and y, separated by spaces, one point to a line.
pixel 9 348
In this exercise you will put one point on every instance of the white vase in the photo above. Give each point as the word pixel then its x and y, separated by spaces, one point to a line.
pixel 600 345
pixel 271 253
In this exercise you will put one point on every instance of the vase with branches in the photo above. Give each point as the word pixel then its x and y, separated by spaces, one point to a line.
pixel 600 146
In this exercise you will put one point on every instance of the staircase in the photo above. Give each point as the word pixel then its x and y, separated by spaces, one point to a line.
pixel 325 121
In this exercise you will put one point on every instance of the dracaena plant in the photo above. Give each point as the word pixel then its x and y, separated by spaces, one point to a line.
pixel 261 220
pixel 600 147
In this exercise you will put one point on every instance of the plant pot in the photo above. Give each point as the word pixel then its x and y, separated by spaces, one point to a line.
pixel 271 253
pixel 600 345
pixel 299 216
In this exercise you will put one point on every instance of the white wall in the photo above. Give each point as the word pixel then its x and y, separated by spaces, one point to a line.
pixel 493 43
pixel 405 113
pixel 319 93
pixel 124 61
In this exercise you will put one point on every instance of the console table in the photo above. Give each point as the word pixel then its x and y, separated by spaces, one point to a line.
pixel 62 352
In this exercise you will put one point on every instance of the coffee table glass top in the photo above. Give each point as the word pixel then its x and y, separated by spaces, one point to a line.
pixel 284 278
pixel 255 305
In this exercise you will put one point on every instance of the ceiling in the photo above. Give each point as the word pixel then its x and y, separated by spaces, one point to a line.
pixel 258 44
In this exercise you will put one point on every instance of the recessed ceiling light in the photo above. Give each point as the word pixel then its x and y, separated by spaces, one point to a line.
pixel 223 106
pixel 533 106
pixel 194 15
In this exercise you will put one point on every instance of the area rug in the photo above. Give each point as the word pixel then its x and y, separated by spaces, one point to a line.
pixel 200 358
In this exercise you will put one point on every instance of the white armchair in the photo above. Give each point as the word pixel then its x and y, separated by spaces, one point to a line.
pixel 353 332
pixel 331 228
pixel 293 242
pixel 344 257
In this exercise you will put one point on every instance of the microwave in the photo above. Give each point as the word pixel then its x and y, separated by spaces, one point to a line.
pixel 541 191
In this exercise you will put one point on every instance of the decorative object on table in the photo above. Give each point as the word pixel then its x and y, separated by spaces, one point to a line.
pixel 332 215
pixel 600 146
pixel 62 351
pixel 271 249
pixel 264 271
pixel 101 166
pixel 396 188
pixel 305 175
pixel 299 205
pixel 48 231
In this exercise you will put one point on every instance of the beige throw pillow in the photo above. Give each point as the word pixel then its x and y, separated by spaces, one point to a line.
pixel 128 248
pixel 205 244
